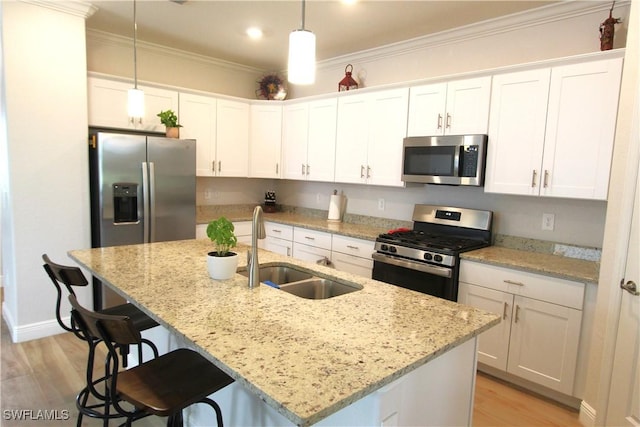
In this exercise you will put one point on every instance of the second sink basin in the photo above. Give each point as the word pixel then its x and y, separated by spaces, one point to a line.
pixel 301 283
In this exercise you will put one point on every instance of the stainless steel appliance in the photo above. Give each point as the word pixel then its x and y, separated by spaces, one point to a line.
pixel 426 258
pixel 447 159
pixel 143 189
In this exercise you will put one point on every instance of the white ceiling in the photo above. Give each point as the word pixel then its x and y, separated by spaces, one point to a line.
pixel 216 28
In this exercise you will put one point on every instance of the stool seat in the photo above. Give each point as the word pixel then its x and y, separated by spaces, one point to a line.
pixel 174 380
pixel 138 317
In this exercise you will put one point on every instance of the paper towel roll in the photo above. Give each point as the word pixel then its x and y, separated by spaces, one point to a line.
pixel 335 208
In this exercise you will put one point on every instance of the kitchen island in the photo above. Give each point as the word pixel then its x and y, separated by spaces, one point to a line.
pixel 382 354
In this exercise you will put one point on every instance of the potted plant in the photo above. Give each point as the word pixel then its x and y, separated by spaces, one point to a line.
pixel 170 120
pixel 222 263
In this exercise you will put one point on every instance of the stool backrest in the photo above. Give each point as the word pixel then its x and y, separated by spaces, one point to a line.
pixel 67 276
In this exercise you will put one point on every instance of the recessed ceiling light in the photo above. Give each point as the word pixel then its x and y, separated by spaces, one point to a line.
pixel 254 32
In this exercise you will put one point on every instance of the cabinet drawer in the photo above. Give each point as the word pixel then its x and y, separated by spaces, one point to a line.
pixel 310 253
pixel 352 246
pixel 242 228
pixel 544 288
pixel 280 231
pixel 352 264
pixel 318 239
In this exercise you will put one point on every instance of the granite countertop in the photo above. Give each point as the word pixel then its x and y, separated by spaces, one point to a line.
pixel 282 347
pixel 549 264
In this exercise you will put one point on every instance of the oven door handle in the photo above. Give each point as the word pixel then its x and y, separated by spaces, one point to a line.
pixel 413 265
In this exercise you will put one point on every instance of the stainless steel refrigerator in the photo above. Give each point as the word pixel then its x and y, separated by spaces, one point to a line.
pixel 143 189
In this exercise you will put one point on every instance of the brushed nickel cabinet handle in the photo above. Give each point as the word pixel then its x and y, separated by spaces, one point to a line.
pixel 534 175
pixel 309 238
pixel 439 121
pixel 276 168
pixel 511 282
pixel 303 169
pixel 308 168
pixel 448 121
pixel 361 171
pixel 546 178
pixel 517 313
pixel 213 166
pixel 368 171
pixel 219 165
pixel 504 311
pixel 353 247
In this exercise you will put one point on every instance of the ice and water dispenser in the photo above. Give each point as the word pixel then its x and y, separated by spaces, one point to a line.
pixel 125 202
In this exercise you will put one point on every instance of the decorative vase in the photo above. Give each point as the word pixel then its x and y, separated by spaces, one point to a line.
pixel 222 267
pixel 173 132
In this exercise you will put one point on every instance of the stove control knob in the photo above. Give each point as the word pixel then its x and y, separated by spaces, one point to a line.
pixel 428 257
pixel 437 258
pixel 384 247
pixel 392 249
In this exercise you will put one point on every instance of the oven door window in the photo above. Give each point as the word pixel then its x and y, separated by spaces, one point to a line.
pixel 431 161
pixel 425 283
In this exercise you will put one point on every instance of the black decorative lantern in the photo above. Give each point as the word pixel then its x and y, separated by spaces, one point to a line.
pixel 348 83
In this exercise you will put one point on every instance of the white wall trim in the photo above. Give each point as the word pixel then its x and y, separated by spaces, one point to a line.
pixel 32 331
pixel 540 16
pixel 76 8
pixel 109 39
pixel 587 416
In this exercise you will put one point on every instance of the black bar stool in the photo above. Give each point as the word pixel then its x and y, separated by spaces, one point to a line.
pixel 68 277
pixel 162 386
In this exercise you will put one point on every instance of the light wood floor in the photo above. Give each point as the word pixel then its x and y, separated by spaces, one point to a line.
pixel 46 374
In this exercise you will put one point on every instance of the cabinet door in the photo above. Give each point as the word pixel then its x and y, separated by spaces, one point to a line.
pixel 294 141
pixel 427 109
pixel 310 253
pixel 493 344
pixel 583 104
pixel 387 128
pixel 279 246
pixel 351 139
pixel 516 132
pixel 198 119
pixel 232 138
pixel 544 343
pixel 107 105
pixel 321 148
pixel 266 138
pixel 467 109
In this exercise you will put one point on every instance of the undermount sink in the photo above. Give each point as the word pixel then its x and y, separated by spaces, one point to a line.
pixel 301 283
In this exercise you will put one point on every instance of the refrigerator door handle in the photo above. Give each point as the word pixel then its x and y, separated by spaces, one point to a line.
pixel 152 202
pixel 145 202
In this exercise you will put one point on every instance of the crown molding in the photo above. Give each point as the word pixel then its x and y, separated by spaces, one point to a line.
pixel 106 38
pixel 531 18
pixel 75 8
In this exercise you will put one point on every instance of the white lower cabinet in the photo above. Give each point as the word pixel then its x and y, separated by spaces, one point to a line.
pixel 311 245
pixel 539 334
pixel 279 238
pixel 242 230
pixel 352 255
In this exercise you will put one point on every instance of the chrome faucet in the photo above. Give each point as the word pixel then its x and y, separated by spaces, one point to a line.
pixel 257 232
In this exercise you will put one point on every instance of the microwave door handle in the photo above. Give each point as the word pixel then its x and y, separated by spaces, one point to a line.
pixel 456 161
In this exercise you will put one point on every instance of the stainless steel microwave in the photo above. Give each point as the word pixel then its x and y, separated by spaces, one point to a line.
pixel 448 159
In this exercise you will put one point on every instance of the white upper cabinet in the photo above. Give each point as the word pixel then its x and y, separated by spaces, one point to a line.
pixel 265 141
pixel 454 108
pixel 321 147
pixel 221 130
pixel 551 130
pixel 294 140
pixel 370 130
pixel 581 122
pixel 516 132
pixel 309 140
pixel 108 105
pixel 232 135
pixel 198 119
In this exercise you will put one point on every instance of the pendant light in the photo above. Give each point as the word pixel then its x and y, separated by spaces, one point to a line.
pixel 135 96
pixel 302 55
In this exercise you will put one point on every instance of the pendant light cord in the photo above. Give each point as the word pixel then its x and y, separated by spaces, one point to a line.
pixel 135 50
pixel 303 7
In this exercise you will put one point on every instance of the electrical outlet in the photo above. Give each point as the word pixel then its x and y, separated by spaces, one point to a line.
pixel 548 220
pixel 380 204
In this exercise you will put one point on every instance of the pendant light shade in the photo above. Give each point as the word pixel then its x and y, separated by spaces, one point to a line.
pixel 302 55
pixel 135 104
pixel 135 96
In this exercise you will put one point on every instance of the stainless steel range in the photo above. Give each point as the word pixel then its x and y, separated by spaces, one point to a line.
pixel 426 259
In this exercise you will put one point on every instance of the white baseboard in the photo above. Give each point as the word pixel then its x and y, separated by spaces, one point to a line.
pixel 587 415
pixel 32 331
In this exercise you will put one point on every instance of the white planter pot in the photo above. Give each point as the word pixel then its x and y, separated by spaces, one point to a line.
pixel 222 268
